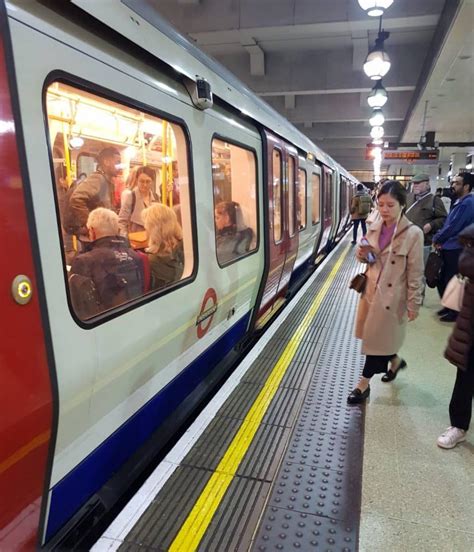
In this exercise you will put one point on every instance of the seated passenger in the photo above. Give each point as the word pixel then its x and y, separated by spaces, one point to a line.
pixel 165 245
pixel 139 195
pixel 233 239
pixel 109 273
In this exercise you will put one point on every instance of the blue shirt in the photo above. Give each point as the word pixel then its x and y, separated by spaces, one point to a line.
pixel 460 216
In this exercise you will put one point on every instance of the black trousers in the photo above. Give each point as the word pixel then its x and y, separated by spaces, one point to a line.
pixel 460 407
pixel 450 267
pixel 376 365
pixel 356 227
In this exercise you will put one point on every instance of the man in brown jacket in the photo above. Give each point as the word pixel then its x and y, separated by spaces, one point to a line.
pixel 427 211
pixel 460 351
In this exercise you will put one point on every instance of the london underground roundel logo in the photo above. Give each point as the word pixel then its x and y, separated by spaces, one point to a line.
pixel 206 314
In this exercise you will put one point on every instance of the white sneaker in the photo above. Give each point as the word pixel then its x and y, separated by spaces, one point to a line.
pixel 451 437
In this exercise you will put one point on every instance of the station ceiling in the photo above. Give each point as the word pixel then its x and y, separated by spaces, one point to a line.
pixel 305 58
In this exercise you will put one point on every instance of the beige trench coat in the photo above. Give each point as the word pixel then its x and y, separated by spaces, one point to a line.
pixel 394 286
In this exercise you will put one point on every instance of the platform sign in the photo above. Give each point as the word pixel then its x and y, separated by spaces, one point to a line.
pixel 411 157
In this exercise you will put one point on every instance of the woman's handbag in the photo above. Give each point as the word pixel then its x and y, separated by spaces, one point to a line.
pixel 454 293
pixel 359 282
pixel 433 267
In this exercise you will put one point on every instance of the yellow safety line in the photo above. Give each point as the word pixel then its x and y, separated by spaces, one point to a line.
pixel 198 520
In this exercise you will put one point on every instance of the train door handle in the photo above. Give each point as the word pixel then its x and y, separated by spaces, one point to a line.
pixel 22 289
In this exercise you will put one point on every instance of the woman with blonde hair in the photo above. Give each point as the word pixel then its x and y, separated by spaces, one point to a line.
pixel 165 245
pixel 139 194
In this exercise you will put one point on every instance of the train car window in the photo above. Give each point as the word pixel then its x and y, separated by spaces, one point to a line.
pixel 291 195
pixel 277 195
pixel 234 178
pixel 123 196
pixel 301 201
pixel 315 187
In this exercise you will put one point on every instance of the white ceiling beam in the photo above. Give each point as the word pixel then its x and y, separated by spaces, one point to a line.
pixel 333 91
pixel 189 2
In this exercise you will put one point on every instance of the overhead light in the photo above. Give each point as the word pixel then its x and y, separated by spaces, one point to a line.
pixel 377 132
pixel 377 141
pixel 377 118
pixel 377 63
pixel 378 96
pixel 76 142
pixel 375 8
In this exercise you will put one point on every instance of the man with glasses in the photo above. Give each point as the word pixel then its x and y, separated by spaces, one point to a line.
pixel 446 240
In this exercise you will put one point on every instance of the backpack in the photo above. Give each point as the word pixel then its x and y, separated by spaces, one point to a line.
pixel 123 279
pixel 365 205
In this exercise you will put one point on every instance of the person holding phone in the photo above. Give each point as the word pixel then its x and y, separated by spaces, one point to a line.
pixel 393 250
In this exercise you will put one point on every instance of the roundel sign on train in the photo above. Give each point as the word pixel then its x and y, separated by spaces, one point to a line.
pixel 206 314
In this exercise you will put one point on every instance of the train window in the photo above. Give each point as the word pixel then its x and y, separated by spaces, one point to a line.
pixel 301 201
pixel 291 195
pixel 315 186
pixel 123 195
pixel 234 178
pixel 277 195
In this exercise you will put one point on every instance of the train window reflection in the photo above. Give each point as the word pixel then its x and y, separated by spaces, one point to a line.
pixel 301 200
pixel 315 186
pixel 122 186
pixel 277 195
pixel 235 200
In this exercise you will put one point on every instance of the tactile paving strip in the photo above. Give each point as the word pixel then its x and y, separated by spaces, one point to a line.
pixel 315 500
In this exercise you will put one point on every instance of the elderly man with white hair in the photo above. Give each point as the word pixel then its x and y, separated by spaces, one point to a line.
pixel 110 273
pixel 427 211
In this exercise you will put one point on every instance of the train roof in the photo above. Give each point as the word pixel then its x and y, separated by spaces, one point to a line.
pixel 140 23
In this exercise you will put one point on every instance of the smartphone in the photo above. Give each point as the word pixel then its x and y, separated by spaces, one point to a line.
pixel 370 256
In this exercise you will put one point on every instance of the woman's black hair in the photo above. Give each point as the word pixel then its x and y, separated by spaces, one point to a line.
pixel 396 190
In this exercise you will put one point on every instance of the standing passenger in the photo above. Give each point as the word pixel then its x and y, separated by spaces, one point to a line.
pixel 361 206
pixel 446 240
pixel 138 197
pixel 394 288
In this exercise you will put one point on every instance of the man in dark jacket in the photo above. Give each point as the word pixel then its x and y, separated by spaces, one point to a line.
pixel 361 206
pixel 97 190
pixel 460 351
pixel 446 239
pixel 110 273
pixel 427 211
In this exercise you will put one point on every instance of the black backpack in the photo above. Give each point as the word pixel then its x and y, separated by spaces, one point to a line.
pixel 84 296
pixel 123 279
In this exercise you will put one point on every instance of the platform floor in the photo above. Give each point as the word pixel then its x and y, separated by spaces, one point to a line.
pixel 275 461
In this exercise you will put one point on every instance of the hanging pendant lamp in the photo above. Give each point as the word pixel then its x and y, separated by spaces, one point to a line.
pixel 378 96
pixel 377 118
pixel 375 8
pixel 377 63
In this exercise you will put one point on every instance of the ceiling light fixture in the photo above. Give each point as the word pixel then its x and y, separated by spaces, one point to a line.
pixel 377 118
pixel 377 141
pixel 377 63
pixel 377 132
pixel 378 96
pixel 375 8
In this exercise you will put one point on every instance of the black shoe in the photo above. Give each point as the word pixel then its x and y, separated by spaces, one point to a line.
pixel 353 242
pixel 450 316
pixel 443 311
pixel 390 375
pixel 357 396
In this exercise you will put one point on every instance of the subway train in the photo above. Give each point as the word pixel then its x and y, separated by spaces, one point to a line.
pixel 87 400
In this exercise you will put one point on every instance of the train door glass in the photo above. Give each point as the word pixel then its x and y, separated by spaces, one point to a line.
pixel 277 196
pixel 234 178
pixel 122 191
pixel 291 196
pixel 301 200
pixel 316 203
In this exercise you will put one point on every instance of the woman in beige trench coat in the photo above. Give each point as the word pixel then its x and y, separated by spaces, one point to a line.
pixel 394 288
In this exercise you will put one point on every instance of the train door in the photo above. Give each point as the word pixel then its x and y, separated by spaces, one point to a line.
pixel 281 228
pixel 25 390
pixel 327 217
